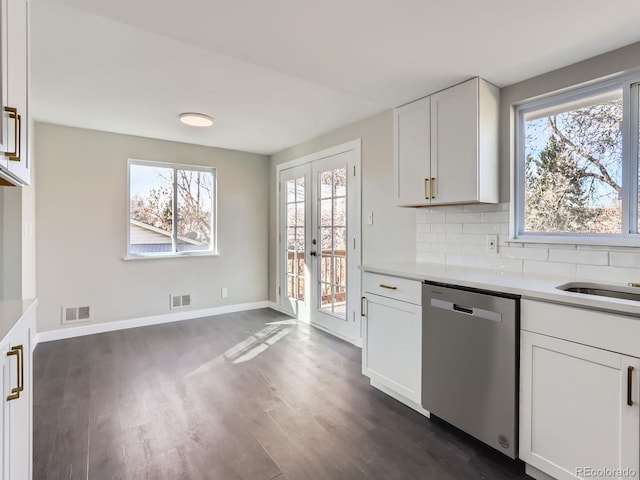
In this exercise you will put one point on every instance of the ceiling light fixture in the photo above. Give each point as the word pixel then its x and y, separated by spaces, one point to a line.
pixel 196 119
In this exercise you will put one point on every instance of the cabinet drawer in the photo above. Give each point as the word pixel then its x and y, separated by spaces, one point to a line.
pixel 610 331
pixel 393 287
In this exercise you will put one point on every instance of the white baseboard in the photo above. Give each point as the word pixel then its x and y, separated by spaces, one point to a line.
pixel 70 332
pixel 275 306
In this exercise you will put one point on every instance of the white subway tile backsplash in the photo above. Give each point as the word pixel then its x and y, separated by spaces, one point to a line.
pixel 431 237
pixel 464 261
pixel 431 257
pixel 465 239
pixel 627 260
pixel 435 218
pixel 446 228
pixel 446 248
pixel 475 250
pixel 496 217
pixel 578 256
pixel 457 235
pixel 524 253
pixel 608 274
pixel 495 262
pixel 468 217
pixel 494 228
pixel 537 267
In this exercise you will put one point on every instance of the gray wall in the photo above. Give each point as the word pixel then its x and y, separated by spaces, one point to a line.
pixel 81 228
pixel 11 201
pixel 393 234
pixel 617 61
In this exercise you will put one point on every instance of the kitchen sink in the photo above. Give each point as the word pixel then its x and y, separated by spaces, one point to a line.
pixel 602 290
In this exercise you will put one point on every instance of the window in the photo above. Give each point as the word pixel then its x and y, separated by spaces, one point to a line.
pixel 171 210
pixel 577 166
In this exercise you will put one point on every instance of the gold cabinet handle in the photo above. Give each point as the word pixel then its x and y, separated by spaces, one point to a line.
pixel 433 187
pixel 632 284
pixel 629 385
pixel 17 351
pixel 382 285
pixel 17 134
pixel 426 189
pixel 362 299
pixel 21 379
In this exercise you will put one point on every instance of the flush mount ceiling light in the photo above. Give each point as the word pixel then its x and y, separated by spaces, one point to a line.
pixel 196 119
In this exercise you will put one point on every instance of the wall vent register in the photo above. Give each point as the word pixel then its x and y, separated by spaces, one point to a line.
pixel 179 301
pixel 76 314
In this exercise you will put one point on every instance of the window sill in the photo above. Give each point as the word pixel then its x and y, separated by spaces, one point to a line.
pixel 573 240
pixel 134 258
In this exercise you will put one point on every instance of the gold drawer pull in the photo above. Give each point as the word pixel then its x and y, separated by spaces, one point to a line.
pixel 17 134
pixel 633 284
pixel 18 352
pixel 382 285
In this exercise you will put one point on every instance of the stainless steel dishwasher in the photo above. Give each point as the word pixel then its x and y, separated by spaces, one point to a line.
pixel 470 350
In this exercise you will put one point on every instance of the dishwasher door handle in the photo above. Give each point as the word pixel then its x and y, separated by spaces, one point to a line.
pixel 469 311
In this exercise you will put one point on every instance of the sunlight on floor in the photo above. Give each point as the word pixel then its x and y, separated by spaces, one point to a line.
pixel 250 347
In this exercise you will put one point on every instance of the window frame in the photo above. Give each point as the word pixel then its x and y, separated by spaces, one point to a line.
pixel 213 250
pixel 630 235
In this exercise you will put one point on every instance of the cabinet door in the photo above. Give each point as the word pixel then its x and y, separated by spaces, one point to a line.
pixel 18 418
pixel 412 153
pixel 17 88
pixel 392 353
pixel 4 134
pixel 454 144
pixel 575 420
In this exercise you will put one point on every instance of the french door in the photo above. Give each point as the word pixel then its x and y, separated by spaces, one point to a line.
pixel 320 244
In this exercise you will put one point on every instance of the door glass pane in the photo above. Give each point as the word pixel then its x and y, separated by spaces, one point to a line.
pixel 326 212
pixel 340 211
pixel 295 238
pixel 339 240
pixel 332 212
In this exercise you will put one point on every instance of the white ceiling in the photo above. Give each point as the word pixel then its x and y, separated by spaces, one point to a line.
pixel 276 73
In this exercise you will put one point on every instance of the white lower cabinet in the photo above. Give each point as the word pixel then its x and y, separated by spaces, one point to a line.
pixel 17 399
pixel 392 336
pixel 579 409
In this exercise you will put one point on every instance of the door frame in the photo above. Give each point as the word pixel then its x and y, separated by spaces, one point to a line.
pixel 353 293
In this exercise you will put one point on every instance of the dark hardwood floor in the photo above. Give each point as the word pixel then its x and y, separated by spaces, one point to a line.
pixel 249 395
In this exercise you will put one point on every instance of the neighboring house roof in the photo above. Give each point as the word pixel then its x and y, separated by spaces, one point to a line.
pixel 148 234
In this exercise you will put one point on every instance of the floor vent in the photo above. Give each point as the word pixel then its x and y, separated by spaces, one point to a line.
pixel 179 301
pixel 76 314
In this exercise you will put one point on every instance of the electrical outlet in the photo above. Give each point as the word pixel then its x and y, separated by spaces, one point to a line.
pixel 492 243
pixel 224 292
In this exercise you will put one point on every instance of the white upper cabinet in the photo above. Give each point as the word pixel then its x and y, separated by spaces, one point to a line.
pixel 15 86
pixel 446 147
pixel 412 151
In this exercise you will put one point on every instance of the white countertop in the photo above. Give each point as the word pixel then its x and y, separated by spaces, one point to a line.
pixel 536 287
pixel 11 311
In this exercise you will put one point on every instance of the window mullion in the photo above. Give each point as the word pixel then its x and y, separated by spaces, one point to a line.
pixel 631 159
pixel 174 223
